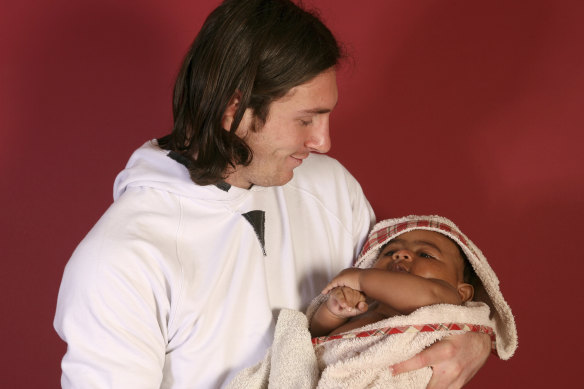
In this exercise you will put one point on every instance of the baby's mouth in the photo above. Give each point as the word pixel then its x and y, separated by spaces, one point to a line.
pixel 399 268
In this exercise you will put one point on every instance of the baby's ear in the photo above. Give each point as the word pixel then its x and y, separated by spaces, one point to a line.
pixel 465 291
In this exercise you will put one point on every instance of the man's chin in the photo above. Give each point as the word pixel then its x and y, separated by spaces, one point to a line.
pixel 282 179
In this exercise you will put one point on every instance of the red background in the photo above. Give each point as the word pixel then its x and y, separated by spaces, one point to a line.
pixel 467 109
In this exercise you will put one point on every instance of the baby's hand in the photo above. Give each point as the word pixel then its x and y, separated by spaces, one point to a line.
pixel 348 277
pixel 346 302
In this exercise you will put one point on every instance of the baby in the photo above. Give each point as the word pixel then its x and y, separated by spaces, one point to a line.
pixel 418 279
pixel 416 269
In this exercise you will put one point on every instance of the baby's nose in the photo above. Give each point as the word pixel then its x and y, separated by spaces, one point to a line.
pixel 402 255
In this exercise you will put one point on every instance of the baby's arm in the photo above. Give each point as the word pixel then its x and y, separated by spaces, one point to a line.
pixel 403 292
pixel 342 303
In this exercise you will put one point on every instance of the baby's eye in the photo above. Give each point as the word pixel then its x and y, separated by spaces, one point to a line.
pixel 426 255
pixel 389 253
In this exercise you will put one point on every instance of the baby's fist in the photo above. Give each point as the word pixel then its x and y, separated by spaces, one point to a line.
pixel 346 302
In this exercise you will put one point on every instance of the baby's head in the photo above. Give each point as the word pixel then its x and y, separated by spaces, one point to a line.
pixel 486 283
pixel 457 261
pixel 428 254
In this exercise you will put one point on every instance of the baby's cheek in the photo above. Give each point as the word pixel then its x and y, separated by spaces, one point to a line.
pixel 382 263
pixel 424 271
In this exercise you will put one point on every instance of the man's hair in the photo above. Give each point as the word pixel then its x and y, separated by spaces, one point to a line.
pixel 259 49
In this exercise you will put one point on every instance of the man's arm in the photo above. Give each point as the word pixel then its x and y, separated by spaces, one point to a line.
pixel 110 318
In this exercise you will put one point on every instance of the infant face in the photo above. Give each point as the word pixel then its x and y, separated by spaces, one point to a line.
pixel 423 253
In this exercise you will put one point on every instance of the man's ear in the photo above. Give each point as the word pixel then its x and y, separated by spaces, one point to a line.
pixel 465 291
pixel 230 111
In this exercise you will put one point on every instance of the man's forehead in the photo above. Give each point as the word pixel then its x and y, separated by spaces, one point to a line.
pixel 325 79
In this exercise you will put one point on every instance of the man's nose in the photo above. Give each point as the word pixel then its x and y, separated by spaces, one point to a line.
pixel 402 255
pixel 319 139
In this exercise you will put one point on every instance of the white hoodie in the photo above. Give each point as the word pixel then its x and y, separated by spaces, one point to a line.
pixel 177 285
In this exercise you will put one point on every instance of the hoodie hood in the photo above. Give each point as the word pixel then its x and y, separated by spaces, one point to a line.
pixel 150 166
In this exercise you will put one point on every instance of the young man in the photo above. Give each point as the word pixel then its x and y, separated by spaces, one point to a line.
pixel 218 225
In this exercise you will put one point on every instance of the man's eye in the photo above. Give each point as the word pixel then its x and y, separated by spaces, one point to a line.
pixel 305 122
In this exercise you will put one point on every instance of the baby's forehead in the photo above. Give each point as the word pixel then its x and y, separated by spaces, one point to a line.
pixel 421 236
pixel 425 238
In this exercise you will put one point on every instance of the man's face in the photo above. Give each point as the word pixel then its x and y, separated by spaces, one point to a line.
pixel 297 124
pixel 423 253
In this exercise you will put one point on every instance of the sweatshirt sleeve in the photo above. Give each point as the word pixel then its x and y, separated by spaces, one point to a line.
pixel 112 311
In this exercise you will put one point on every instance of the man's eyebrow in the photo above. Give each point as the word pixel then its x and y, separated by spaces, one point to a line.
pixel 316 111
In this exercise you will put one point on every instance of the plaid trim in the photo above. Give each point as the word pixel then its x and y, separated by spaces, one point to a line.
pixel 411 329
pixel 384 234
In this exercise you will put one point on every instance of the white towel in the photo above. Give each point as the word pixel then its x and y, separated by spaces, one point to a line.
pixel 357 361
pixel 289 363
pixel 354 362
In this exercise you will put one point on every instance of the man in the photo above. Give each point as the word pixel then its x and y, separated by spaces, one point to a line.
pixel 220 224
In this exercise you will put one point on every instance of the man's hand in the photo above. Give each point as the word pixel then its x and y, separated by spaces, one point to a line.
pixel 455 360
pixel 346 302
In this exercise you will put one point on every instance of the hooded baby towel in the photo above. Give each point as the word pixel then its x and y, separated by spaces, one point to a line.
pixel 360 358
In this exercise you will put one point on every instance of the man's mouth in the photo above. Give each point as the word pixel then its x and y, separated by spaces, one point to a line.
pixel 299 158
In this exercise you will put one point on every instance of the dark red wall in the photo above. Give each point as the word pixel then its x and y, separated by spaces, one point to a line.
pixel 467 109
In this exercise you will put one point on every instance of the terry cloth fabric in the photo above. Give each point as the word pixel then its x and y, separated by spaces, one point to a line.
pixel 289 363
pixel 358 359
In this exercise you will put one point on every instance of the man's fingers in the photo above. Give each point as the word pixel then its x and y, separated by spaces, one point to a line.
pixel 431 356
pixel 454 360
pixel 416 362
